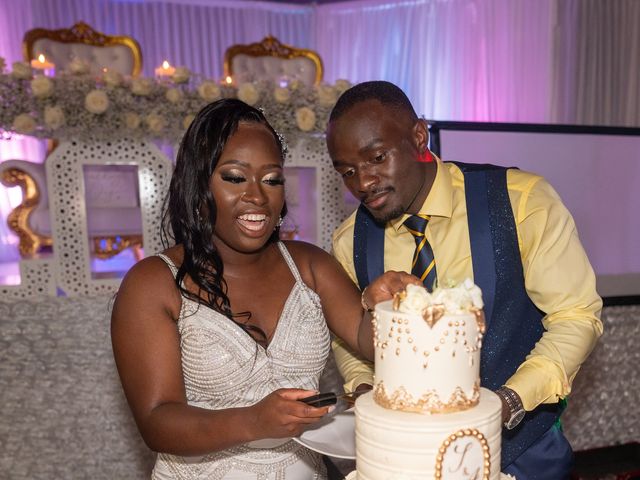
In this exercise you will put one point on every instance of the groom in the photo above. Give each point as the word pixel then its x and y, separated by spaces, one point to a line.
pixel 506 229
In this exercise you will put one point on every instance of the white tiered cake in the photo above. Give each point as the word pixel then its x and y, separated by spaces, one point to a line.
pixel 427 416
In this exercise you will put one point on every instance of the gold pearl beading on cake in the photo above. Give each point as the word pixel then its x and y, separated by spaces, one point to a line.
pixel 474 434
pixel 428 402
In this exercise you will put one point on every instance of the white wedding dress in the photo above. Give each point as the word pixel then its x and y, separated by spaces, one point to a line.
pixel 223 367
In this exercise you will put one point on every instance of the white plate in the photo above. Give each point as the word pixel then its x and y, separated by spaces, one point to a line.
pixel 334 435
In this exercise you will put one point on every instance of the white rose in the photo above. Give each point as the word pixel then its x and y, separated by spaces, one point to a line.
pixel 186 121
pixel 54 117
pixel 416 300
pixel 132 120
pixel 327 96
pixel 248 93
pixel 454 300
pixel 155 122
pixel 209 91
pixel 295 84
pixel 305 119
pixel 41 86
pixel 3 64
pixel 181 75
pixel 173 95
pixel 112 78
pixel 21 70
pixel 141 86
pixel 78 66
pixel 342 85
pixel 24 123
pixel 282 95
pixel 96 102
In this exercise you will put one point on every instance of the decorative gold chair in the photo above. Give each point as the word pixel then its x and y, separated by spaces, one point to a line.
pixel 99 51
pixel 30 220
pixel 272 60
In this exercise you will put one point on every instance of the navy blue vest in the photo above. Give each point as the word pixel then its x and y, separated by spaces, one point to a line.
pixel 514 322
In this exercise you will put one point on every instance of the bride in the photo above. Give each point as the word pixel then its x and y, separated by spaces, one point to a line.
pixel 218 338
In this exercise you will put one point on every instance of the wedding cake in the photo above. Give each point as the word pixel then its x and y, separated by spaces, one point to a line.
pixel 427 416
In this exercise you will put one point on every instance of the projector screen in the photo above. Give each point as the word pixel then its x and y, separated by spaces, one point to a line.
pixel 595 170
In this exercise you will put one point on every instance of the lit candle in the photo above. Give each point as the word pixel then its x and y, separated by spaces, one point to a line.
pixel 41 63
pixel 228 80
pixel 165 70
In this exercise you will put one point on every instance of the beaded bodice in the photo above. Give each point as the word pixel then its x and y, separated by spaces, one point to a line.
pixel 224 367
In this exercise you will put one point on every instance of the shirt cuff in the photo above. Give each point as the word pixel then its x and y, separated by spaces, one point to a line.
pixel 359 379
pixel 535 386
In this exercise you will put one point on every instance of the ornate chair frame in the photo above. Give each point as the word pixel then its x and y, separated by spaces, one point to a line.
pixel 82 33
pixel 271 46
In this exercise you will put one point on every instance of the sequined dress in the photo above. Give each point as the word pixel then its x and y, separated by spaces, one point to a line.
pixel 223 368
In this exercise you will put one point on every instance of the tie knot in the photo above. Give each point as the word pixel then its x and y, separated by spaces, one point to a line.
pixel 417 224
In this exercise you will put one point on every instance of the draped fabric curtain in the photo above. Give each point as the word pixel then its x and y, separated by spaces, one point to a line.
pixel 457 59
pixel 596 63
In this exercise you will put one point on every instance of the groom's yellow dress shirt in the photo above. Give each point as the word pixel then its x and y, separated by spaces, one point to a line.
pixel 558 276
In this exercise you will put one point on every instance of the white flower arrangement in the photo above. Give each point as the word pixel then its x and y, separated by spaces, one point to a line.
pixel 454 298
pixel 80 105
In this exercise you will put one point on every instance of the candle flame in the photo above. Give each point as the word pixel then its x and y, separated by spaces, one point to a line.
pixel 229 80
pixel 41 58
pixel 165 65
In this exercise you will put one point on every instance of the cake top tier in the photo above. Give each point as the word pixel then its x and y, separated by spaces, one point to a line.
pixel 428 349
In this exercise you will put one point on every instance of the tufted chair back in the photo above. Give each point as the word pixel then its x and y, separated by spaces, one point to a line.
pixel 272 60
pixel 99 51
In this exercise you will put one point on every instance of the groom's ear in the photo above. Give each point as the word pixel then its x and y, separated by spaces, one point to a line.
pixel 421 135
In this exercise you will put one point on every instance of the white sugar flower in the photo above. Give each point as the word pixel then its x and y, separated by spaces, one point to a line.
pixel 455 299
pixel 96 102
pixel 209 91
pixel 281 95
pixel 474 292
pixel 21 70
pixel 24 123
pixel 248 93
pixel 327 95
pixel 342 85
pixel 41 86
pixel 416 300
pixel 305 119
pixel 54 117
pixel 78 66
pixel 181 75
pixel 173 95
pixel 188 120
pixel 155 122
pixel 132 120
pixel 112 78
pixel 141 86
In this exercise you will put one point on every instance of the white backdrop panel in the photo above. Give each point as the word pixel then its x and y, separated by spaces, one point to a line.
pixel 597 177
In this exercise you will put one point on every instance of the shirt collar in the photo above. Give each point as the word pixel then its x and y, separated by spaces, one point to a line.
pixel 439 201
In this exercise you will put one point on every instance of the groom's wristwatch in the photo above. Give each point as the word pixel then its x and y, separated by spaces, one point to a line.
pixel 514 404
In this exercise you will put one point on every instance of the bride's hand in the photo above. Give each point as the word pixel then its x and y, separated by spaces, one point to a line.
pixel 280 414
pixel 383 287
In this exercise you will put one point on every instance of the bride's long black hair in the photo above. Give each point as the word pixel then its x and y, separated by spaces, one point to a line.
pixel 189 213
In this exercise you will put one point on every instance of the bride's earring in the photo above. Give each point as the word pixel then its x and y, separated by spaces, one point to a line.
pixel 280 221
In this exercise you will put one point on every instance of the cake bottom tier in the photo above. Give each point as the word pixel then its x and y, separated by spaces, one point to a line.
pixel 395 445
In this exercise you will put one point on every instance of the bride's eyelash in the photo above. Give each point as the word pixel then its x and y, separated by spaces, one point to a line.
pixel 275 181
pixel 232 178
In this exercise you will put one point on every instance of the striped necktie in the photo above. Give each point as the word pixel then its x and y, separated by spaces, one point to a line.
pixel 424 263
